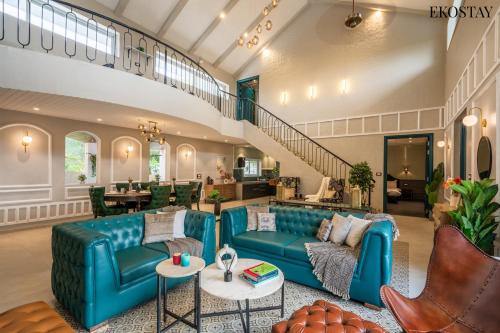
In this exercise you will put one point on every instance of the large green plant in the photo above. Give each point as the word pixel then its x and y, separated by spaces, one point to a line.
pixel 432 189
pixel 361 174
pixel 474 215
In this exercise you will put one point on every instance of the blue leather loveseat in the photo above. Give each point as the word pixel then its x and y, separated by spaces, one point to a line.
pixel 100 268
pixel 285 248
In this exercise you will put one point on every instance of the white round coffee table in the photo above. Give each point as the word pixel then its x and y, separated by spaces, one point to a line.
pixel 212 282
pixel 166 269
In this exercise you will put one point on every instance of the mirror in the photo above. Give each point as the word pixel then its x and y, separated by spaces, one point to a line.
pixel 484 158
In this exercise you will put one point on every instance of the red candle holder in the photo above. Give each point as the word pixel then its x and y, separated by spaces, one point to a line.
pixel 176 258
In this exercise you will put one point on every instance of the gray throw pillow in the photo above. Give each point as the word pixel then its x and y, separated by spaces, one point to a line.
pixel 341 227
pixel 252 215
pixel 158 227
pixel 324 230
pixel 267 221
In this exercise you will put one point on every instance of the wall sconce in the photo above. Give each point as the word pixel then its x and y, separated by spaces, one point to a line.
pixel 312 92
pixel 284 98
pixel 130 149
pixel 344 86
pixel 27 139
pixel 406 170
pixel 472 119
pixel 187 153
pixel 441 144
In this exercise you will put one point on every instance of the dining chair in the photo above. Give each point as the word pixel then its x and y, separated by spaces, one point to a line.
pixel 99 207
pixel 196 195
pixel 183 195
pixel 159 197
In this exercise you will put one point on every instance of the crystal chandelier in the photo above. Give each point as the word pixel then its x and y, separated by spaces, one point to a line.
pixel 253 41
pixel 152 133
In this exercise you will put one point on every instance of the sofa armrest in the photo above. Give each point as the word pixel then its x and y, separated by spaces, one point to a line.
pixel 201 226
pixel 233 222
pixel 76 253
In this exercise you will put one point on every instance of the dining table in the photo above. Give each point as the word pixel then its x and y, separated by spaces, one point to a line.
pixel 129 196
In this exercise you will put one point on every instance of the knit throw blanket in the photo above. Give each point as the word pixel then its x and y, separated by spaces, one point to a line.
pixel 190 245
pixel 333 266
pixel 384 217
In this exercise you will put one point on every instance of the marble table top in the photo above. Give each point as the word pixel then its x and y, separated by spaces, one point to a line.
pixel 212 281
pixel 167 268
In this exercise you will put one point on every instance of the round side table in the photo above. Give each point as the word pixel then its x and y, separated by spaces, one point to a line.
pixel 166 269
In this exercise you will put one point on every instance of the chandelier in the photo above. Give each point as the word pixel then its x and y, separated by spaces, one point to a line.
pixel 253 41
pixel 152 133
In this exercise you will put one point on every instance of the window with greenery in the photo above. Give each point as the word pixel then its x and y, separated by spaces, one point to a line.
pixel 252 167
pixel 80 162
pixel 157 161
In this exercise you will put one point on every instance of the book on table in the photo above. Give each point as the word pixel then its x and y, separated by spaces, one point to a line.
pixel 256 284
pixel 261 272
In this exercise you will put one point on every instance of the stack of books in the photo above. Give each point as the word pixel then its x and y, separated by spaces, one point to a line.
pixel 260 274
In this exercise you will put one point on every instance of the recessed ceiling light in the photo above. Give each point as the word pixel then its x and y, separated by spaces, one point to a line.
pixel 222 15
pixel 35 108
pixel 204 137
pixel 266 52
pixel 225 140
pixel 245 34
pixel 99 119
pixel 178 132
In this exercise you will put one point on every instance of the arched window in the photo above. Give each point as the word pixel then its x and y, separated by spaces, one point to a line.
pixel 159 161
pixel 81 158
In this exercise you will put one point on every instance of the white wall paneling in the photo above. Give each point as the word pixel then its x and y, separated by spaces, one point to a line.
pixel 25 195
pixel 180 163
pixel 134 153
pixel 426 119
pixel 76 192
pixel 10 215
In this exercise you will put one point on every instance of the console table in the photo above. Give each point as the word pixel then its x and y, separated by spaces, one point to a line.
pixel 339 207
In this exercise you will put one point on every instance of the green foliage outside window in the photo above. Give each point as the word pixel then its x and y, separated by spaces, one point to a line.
pixel 75 156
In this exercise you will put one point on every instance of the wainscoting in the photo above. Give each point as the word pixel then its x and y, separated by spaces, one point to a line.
pixel 36 212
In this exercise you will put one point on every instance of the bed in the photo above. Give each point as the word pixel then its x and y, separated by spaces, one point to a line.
pixel 393 191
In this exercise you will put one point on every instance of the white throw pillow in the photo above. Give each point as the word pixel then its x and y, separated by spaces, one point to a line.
pixel 266 221
pixel 341 227
pixel 392 184
pixel 358 227
pixel 180 216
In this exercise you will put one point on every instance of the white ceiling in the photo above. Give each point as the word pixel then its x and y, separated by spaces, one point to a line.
pixel 111 114
pixel 418 5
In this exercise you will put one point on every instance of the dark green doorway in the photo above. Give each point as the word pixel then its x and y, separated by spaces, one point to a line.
pixel 248 95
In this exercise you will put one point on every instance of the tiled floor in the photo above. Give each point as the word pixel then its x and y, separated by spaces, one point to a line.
pixel 25 259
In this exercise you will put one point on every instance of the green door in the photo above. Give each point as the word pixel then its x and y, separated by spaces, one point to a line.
pixel 246 99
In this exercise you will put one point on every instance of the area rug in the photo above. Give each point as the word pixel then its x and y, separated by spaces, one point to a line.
pixel 143 318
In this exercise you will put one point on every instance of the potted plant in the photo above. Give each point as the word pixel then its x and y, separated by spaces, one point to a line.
pixel 82 178
pixel 455 196
pixel 216 198
pixel 474 214
pixel 432 188
pixel 157 179
pixel 361 175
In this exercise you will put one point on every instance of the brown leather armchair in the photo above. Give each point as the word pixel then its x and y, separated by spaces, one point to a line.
pixel 462 293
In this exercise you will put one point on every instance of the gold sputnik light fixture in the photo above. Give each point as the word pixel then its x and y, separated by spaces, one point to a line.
pixel 260 28
pixel 152 133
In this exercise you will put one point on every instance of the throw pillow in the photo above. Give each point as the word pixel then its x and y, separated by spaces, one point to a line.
pixel 252 212
pixel 158 227
pixel 341 227
pixel 392 184
pixel 266 222
pixel 324 230
pixel 358 227
pixel 180 216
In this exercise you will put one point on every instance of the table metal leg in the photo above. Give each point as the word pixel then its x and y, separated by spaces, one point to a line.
pixel 241 317
pixel 158 305
pixel 283 300
pixel 197 305
pixel 247 303
pixel 165 300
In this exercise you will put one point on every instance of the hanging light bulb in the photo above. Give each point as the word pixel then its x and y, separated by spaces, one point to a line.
pixel 249 44
pixel 266 11
pixel 269 25
pixel 275 3
pixel 241 41
pixel 255 40
pixel 259 29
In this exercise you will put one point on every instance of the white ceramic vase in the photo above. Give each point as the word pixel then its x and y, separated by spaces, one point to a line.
pixel 233 257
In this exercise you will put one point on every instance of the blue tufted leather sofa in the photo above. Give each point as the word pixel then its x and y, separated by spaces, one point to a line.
pixel 285 248
pixel 100 268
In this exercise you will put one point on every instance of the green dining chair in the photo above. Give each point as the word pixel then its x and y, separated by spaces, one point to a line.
pixel 119 186
pixel 159 197
pixel 183 195
pixel 99 207
pixel 196 196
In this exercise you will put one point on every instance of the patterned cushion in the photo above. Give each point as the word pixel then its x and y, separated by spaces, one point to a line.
pixel 158 227
pixel 358 228
pixel 266 222
pixel 252 212
pixel 341 227
pixel 324 230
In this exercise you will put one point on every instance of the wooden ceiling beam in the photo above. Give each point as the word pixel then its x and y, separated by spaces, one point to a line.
pixel 120 7
pixel 171 17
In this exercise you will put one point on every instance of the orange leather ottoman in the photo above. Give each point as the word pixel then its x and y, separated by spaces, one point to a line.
pixel 324 317
pixel 35 317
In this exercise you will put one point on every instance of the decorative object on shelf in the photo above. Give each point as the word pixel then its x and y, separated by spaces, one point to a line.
pixel 455 196
pixel 361 174
pixel 129 149
pixel 130 180
pixel 82 178
pixel 210 180
pixel 356 197
pixel 26 141
pixel 227 264
pixel 152 133
pixel 354 19
pixel 432 188
pixel 474 215
pixel 185 259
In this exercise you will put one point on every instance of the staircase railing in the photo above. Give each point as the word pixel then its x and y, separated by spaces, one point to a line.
pixel 61 28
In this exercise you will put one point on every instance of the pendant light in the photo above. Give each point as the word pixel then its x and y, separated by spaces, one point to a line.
pixel 354 19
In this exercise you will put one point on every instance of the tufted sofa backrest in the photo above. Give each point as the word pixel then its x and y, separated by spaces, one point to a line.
pixel 126 230
pixel 302 221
